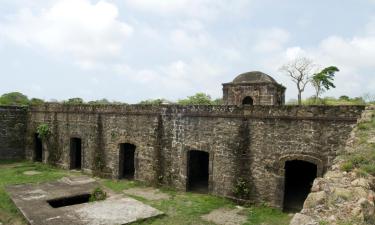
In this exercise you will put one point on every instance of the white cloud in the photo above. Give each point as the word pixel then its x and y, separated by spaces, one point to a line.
pixel 353 56
pixel 180 77
pixel 204 9
pixel 78 28
pixel 270 40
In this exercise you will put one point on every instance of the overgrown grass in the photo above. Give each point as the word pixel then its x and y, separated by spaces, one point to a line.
pixel 362 160
pixel 187 208
pixel 12 172
pixel 181 208
pixel 266 215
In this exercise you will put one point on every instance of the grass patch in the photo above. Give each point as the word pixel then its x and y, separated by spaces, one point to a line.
pixel 12 172
pixel 185 208
pixel 266 215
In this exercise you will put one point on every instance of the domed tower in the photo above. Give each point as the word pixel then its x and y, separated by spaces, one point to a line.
pixel 253 88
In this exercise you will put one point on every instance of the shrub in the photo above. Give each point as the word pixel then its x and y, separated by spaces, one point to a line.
pixel 98 195
pixel 43 131
pixel 347 166
pixel 241 189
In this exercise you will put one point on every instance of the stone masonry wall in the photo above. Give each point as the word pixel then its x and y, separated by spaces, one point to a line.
pixel 12 132
pixel 248 142
pixel 261 93
pixel 343 197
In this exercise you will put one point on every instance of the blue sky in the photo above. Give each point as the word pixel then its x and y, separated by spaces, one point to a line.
pixel 131 50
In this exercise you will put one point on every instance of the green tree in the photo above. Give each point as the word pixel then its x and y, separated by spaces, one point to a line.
pixel 344 98
pixel 218 101
pixel 158 101
pixel 14 98
pixel 323 81
pixel 36 101
pixel 74 101
pixel 100 102
pixel 197 99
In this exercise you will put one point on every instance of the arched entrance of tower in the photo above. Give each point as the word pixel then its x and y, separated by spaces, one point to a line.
pixel 198 171
pixel 248 101
pixel 299 177
pixel 127 161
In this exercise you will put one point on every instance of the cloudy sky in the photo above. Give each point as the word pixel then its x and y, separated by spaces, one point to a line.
pixel 129 50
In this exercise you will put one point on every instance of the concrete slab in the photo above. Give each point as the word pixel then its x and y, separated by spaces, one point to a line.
pixel 147 193
pixel 31 200
pixel 226 216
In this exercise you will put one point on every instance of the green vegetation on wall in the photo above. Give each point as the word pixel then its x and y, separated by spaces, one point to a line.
pixel 362 161
pixel 43 131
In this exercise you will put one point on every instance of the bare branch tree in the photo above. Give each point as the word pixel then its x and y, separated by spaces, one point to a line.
pixel 300 70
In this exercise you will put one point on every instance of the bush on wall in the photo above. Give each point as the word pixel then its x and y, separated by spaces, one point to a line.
pixel 43 131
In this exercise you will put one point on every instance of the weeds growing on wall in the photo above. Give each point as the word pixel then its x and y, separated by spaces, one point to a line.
pixel 241 189
pixel 43 131
pixel 362 161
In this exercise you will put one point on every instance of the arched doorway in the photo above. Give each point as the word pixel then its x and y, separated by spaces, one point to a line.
pixel 299 176
pixel 75 153
pixel 198 172
pixel 248 101
pixel 38 148
pixel 126 163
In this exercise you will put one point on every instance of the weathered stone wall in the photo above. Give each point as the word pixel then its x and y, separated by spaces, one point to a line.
pixel 261 93
pixel 248 142
pixel 341 197
pixel 12 132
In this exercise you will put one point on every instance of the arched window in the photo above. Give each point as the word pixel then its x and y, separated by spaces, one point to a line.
pixel 247 101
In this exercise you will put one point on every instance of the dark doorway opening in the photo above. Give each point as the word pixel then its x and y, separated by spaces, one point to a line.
pixel 75 153
pixel 198 172
pixel 247 101
pixel 67 201
pixel 127 165
pixel 299 176
pixel 38 148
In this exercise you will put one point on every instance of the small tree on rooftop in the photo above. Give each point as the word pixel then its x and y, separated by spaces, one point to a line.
pixel 323 80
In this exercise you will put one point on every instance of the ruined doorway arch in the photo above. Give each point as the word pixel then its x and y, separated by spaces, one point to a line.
pixel 127 161
pixel 299 177
pixel 198 171
pixel 248 101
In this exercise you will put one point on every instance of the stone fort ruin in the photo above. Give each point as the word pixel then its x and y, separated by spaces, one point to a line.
pixel 254 140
